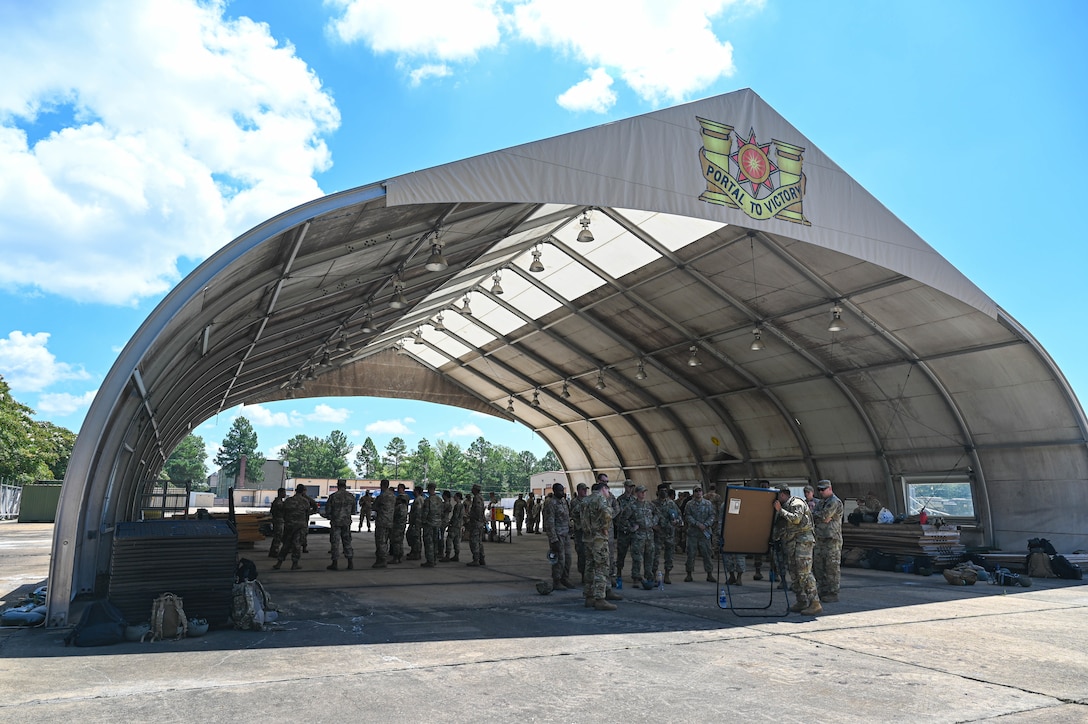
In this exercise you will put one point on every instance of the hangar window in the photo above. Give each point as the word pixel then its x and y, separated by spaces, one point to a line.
pixel 945 494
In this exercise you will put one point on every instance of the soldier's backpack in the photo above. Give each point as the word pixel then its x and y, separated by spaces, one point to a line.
pixel 1041 544
pixel 167 619
pixel 251 607
pixel 245 571
pixel 1037 565
pixel 1065 568
pixel 101 624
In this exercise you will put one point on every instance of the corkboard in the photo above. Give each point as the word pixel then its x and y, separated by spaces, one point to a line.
pixel 746 519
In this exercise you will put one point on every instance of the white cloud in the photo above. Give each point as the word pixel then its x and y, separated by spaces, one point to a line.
pixel 592 94
pixel 260 415
pixel 390 427
pixel 663 51
pixel 469 430
pixel 62 404
pixel 442 29
pixel 325 413
pixel 187 129
pixel 27 366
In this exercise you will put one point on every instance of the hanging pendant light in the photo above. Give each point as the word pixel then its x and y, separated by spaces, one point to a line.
pixel 600 380
pixel 693 361
pixel 537 266
pixel 436 262
pixel 566 393
pixel 465 309
pixel 837 325
pixel 757 341
pixel 368 323
pixel 496 288
pixel 439 325
pixel 536 397
pixel 641 374
pixel 510 405
pixel 342 345
pixel 398 301
pixel 585 235
pixel 417 336
pixel 326 359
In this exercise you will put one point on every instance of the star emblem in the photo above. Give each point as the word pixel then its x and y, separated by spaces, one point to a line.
pixel 753 164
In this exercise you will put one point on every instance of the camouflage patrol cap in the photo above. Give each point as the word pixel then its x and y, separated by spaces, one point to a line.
pixel 782 488
pixel 640 488
pixel 823 485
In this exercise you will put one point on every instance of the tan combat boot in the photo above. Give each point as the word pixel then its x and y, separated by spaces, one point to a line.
pixel 602 605
pixel 611 595
pixel 813 609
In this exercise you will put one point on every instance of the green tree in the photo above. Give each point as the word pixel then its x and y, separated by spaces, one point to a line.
pixel 367 462
pixel 241 440
pixel 186 462
pixel 420 465
pixel 478 456
pixel 548 462
pixel 55 443
pixel 451 468
pixel 394 454
pixel 30 450
pixel 339 448
pixel 315 457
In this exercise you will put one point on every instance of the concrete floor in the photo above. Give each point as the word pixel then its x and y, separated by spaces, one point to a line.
pixel 479 644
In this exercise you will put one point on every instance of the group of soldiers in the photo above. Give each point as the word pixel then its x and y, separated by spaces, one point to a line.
pixel 594 531
pixel 528 513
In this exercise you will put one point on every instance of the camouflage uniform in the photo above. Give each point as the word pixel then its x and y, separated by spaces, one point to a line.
pixel 314 507
pixel 338 509
pixel 277 527
pixel 383 525
pixel 557 528
pixel 529 513
pixel 622 524
pixel 476 525
pixel 453 530
pixel 433 515
pixel 668 518
pixel 793 531
pixel 296 517
pixel 396 536
pixel 519 512
pixel 577 535
pixel 643 519
pixel 827 552
pixel 415 527
pixel 596 514
pixel 699 513
pixel 366 503
pixel 538 509
pixel 732 563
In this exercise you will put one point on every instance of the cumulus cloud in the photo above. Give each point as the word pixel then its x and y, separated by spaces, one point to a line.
pixel 62 404
pixel 28 366
pixel 390 427
pixel 261 415
pixel 662 51
pixel 469 430
pixel 187 129
pixel 326 413
pixel 592 94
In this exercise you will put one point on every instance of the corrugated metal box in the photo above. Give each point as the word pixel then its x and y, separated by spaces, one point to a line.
pixel 39 503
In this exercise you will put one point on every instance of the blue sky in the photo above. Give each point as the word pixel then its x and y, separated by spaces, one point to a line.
pixel 137 138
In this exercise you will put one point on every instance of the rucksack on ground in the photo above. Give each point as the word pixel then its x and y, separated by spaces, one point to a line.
pixel 1037 565
pixel 167 619
pixel 251 606
pixel 1041 544
pixel 1064 568
pixel 101 624
pixel 245 571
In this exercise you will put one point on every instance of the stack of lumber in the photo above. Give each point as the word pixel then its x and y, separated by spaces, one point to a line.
pixel 942 544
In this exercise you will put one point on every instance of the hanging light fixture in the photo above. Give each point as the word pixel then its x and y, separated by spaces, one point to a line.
pixel 757 341
pixel 326 360
pixel 398 301
pixel 496 288
pixel 368 323
pixel 310 376
pixel 342 345
pixel 537 266
pixel 693 361
pixel 400 347
pixel 436 262
pixel 566 393
pixel 837 325
pixel 641 374
pixel 439 326
pixel 536 397
pixel 585 235
pixel 600 379
pixel 417 336
pixel 296 384
pixel 465 309
pixel 510 405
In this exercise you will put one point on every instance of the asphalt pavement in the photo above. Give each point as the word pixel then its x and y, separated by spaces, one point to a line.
pixel 458 643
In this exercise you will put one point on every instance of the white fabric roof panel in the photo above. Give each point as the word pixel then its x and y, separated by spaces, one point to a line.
pixel 929 375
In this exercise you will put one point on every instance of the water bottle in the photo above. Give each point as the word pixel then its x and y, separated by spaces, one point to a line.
pixel 619 583
pixel 660 581
pixel 772 576
pixel 723 598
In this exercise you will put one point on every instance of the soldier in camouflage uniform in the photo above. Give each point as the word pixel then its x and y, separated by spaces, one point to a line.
pixel 576 529
pixel 643 522
pixel 793 532
pixel 338 509
pixel 277 523
pixel 453 529
pixel 699 518
pixel 827 552
pixel 596 515
pixel 296 516
pixel 415 526
pixel 622 525
pixel 557 527
pixel 383 524
pixel 366 503
pixel 668 518
pixel 476 525
pixel 433 515
pixel 400 522
pixel 519 511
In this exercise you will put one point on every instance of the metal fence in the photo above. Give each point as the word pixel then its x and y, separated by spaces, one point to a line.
pixel 10 495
